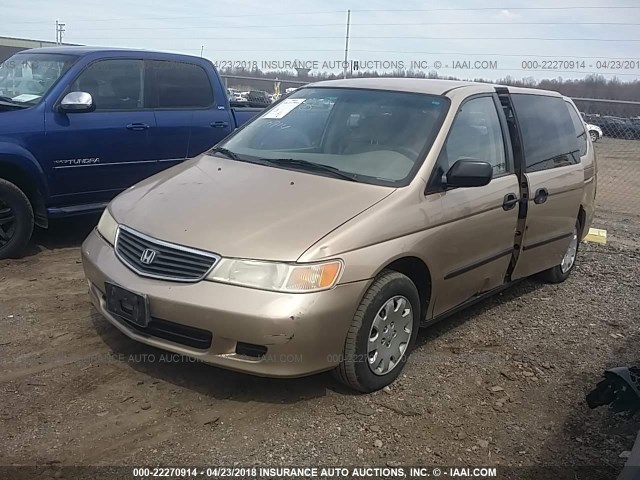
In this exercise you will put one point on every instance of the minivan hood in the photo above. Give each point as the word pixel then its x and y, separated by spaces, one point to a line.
pixel 242 210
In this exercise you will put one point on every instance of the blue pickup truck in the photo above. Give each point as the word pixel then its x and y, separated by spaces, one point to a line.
pixel 80 124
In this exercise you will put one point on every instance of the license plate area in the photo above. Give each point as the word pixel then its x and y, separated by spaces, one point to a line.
pixel 128 305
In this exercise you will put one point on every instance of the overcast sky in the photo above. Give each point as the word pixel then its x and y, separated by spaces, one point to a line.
pixel 314 31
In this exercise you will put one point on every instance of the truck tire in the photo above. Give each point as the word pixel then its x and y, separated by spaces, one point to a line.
pixel 16 220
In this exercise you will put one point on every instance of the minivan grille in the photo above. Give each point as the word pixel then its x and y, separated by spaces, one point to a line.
pixel 154 258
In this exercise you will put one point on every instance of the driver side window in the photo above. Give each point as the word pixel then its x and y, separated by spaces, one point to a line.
pixel 114 84
pixel 475 134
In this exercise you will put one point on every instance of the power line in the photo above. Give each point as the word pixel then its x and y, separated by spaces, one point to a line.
pixel 323 25
pixel 555 39
pixel 467 9
pixel 177 17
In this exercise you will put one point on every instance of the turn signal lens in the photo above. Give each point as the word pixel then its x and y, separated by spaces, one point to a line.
pixel 313 277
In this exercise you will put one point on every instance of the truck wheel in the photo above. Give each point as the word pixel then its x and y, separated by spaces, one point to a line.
pixel 16 220
pixel 594 136
pixel 382 333
pixel 560 273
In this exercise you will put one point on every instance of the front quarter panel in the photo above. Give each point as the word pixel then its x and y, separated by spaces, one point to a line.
pixel 16 156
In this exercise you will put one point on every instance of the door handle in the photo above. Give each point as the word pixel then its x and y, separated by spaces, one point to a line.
pixel 510 201
pixel 137 126
pixel 219 124
pixel 541 196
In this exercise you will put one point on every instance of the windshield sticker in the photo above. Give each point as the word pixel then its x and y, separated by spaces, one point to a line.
pixel 284 107
pixel 25 97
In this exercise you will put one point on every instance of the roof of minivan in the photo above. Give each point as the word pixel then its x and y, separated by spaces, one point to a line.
pixel 423 85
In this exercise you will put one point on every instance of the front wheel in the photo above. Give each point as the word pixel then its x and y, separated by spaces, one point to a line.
pixel 561 272
pixel 594 136
pixel 16 220
pixel 382 333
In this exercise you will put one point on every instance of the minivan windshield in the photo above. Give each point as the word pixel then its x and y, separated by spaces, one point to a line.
pixel 372 136
pixel 26 77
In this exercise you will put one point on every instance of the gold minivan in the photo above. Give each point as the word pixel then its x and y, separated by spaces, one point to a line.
pixel 324 233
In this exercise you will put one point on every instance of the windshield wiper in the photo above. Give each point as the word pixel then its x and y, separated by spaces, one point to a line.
pixel 226 152
pixel 310 166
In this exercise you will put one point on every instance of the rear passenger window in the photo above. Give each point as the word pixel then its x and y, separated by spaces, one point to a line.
pixel 548 133
pixel 476 134
pixel 578 124
pixel 180 85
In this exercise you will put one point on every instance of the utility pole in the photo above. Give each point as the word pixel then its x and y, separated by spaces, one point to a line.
pixel 346 44
pixel 59 31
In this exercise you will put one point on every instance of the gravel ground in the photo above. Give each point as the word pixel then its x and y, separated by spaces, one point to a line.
pixel 502 383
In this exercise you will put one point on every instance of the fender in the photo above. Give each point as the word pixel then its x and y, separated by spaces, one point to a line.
pixel 22 158
pixel 18 158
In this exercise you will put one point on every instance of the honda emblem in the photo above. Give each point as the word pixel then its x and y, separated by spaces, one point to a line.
pixel 148 256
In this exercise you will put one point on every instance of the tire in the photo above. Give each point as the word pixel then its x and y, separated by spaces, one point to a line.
pixel 16 220
pixel 594 136
pixel 391 290
pixel 560 273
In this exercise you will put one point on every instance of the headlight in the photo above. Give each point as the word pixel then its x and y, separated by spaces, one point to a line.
pixel 279 277
pixel 107 227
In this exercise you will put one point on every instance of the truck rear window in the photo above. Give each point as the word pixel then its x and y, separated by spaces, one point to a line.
pixel 179 85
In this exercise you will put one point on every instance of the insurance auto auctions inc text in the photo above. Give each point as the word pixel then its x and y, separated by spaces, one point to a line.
pixel 351 473
pixel 355 65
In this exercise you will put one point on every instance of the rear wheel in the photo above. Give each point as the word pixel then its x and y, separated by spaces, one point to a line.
pixel 561 272
pixel 16 220
pixel 382 333
pixel 594 135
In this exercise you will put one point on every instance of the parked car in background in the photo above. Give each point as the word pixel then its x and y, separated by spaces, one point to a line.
pixel 80 124
pixel 617 127
pixel 595 132
pixel 234 95
pixel 258 97
pixel 323 234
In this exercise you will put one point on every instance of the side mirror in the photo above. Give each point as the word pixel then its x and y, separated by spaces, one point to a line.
pixel 76 102
pixel 468 173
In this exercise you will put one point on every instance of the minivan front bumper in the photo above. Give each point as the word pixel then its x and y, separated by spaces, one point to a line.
pixel 302 333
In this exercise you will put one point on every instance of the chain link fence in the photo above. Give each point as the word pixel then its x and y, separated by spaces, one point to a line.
pixel 614 127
